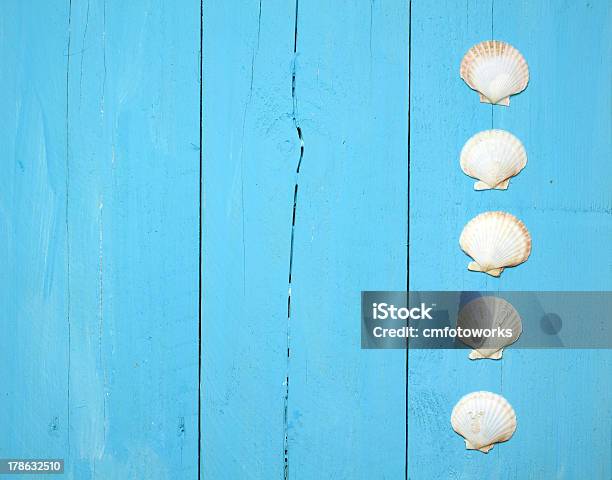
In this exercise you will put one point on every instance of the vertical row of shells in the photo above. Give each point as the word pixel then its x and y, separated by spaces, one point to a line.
pixel 495 240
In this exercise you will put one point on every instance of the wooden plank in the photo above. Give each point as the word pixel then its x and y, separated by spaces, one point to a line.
pixel 564 196
pixel 33 254
pixel 250 152
pixel 346 416
pixel 133 158
pixel 563 207
pixel 444 114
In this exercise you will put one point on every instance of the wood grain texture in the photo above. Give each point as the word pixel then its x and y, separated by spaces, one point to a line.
pixel 444 113
pixel 33 247
pixel 99 218
pixel 564 198
pixel 250 153
pixel 568 200
pixel 133 186
pixel 346 415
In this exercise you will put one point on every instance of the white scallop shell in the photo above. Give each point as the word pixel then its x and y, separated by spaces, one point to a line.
pixel 493 156
pixel 495 240
pixel 483 419
pixel 496 70
pixel 490 313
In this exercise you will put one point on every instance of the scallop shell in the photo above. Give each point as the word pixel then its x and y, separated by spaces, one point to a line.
pixel 483 419
pixel 493 156
pixel 495 240
pixel 496 70
pixel 492 313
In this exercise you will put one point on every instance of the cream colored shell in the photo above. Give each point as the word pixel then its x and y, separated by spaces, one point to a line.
pixel 495 314
pixel 493 157
pixel 483 419
pixel 495 70
pixel 495 240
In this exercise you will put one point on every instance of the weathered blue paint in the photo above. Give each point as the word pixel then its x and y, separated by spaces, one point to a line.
pixel 346 415
pixel 33 247
pixel 100 236
pixel 133 131
pixel 250 151
pixel 99 226
pixel 290 392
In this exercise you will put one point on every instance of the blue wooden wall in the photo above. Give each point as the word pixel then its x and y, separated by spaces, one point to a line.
pixel 193 196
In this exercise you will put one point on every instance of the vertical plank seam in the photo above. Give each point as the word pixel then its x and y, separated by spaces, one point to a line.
pixel 408 228
pixel 200 257
pixel 296 123
pixel 501 374
pixel 67 185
